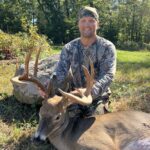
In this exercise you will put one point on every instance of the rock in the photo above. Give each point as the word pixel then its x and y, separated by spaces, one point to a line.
pixel 27 92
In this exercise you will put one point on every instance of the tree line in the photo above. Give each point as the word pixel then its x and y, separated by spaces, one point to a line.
pixel 124 22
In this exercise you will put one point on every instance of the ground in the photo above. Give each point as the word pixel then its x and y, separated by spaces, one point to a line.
pixel 130 90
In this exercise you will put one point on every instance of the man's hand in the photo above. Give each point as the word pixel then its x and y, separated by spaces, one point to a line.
pixel 79 92
pixel 96 91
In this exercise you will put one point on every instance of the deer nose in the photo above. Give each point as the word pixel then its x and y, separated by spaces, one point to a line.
pixel 39 139
pixel 36 139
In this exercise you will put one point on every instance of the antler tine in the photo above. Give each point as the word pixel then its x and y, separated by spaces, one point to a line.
pixel 89 78
pixel 50 88
pixel 87 75
pixel 69 75
pixel 25 75
pixel 36 61
pixel 92 70
pixel 83 101
pixel 26 69
pixel 85 98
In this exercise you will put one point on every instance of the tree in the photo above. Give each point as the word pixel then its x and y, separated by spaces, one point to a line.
pixel 120 20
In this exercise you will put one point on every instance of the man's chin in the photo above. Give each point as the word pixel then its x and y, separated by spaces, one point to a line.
pixel 87 35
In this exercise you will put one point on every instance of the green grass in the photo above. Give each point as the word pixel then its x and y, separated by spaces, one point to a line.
pixel 133 56
pixel 130 90
pixel 133 66
pixel 6 71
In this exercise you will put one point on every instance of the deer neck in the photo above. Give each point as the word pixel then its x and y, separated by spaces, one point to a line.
pixel 60 129
pixel 70 132
pixel 60 137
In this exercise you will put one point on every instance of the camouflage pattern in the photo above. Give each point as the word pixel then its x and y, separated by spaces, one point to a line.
pixel 74 55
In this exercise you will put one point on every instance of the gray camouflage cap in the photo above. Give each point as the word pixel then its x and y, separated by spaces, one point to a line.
pixel 87 11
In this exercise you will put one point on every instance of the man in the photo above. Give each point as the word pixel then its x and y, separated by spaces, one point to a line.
pixel 77 53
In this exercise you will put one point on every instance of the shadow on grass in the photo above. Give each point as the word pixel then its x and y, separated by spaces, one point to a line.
pixel 25 143
pixel 12 111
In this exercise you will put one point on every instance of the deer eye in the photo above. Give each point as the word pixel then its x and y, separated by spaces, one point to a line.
pixel 57 117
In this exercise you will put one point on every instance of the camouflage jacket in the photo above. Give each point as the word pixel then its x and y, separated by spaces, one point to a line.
pixel 74 55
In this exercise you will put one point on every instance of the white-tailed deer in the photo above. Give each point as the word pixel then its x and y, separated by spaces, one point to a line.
pixel 127 130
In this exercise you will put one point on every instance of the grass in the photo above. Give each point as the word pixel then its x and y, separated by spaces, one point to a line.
pixel 131 90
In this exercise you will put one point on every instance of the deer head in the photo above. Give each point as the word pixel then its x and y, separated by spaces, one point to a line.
pixel 53 112
pixel 51 117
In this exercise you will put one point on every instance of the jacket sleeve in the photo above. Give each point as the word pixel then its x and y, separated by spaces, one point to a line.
pixel 63 65
pixel 107 69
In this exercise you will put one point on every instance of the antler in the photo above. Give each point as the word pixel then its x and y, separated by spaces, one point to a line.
pixel 26 77
pixel 85 98
pixel 89 78
pixel 36 61
pixel 26 69
pixel 65 84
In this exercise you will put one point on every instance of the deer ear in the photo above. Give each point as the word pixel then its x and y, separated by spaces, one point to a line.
pixel 51 86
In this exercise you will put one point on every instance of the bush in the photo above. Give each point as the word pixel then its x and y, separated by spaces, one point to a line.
pixel 5 45
pixel 12 46
pixel 130 45
pixel 146 46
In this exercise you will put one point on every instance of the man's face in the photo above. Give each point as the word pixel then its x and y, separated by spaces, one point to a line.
pixel 88 27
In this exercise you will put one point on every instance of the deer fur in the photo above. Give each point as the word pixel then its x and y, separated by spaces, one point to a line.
pixel 126 130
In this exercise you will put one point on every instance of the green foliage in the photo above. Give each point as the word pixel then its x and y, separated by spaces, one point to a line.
pixel 9 18
pixel 124 21
pixel 130 45
pixel 133 16
pixel 146 45
pixel 12 12
pixel 13 45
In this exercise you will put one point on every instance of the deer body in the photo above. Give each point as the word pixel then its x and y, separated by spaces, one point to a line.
pixel 127 130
